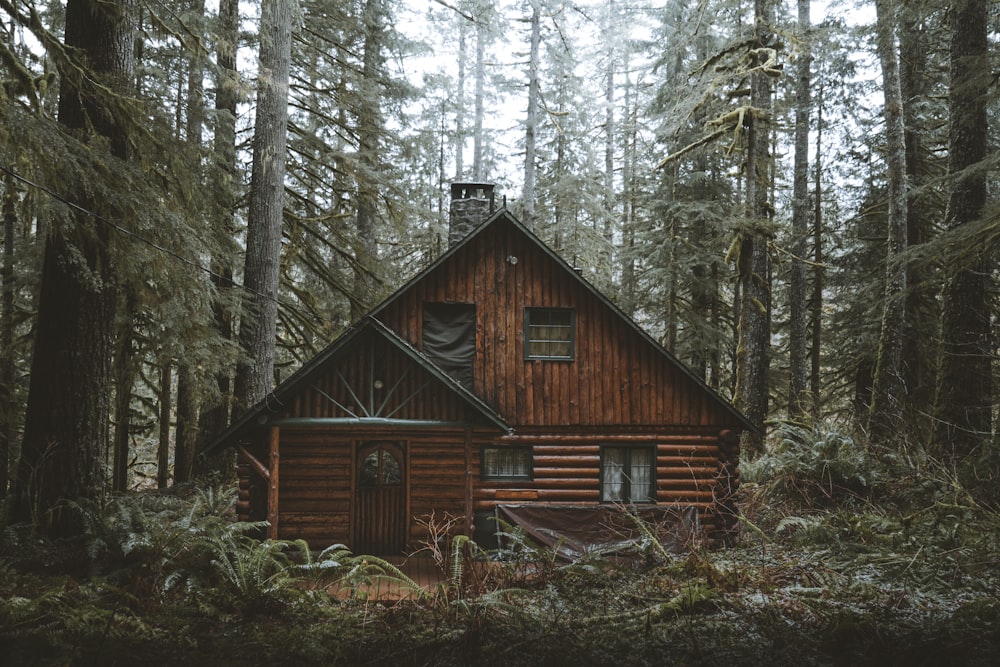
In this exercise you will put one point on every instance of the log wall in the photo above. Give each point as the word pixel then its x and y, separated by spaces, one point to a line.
pixel 442 476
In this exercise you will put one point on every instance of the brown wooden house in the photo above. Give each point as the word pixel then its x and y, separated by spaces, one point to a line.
pixel 497 378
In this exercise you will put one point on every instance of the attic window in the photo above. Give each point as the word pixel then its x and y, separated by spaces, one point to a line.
pixel 549 333
pixel 506 463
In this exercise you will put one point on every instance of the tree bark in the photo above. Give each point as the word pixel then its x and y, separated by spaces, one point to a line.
pixel 163 448
pixel 799 399
pixel 531 122
pixel 369 135
pixel 463 30
pixel 8 369
pixel 920 339
pixel 754 261
pixel 124 370
pixel 480 94
pixel 885 422
pixel 818 272
pixel 65 442
pixel 259 320
pixel 965 399
pixel 215 415
pixel 186 432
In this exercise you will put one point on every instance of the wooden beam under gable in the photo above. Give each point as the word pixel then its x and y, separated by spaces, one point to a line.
pixel 272 490
pixel 257 466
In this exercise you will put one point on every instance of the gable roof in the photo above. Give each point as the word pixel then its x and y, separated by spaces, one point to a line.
pixel 504 217
pixel 363 332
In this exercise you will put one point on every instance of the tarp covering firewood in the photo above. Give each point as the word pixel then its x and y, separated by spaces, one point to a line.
pixel 578 530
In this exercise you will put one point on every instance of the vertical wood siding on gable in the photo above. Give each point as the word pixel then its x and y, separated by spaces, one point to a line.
pixel 616 378
pixel 418 394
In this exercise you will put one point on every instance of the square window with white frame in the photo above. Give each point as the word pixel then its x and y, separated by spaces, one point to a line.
pixel 628 474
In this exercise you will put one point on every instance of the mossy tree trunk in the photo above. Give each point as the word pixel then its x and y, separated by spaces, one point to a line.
pixel 754 261
pixel 965 401
pixel 259 319
pixel 215 411
pixel 800 401
pixel 888 399
pixel 63 455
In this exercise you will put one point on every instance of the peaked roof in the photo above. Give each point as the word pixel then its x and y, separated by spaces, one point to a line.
pixel 359 333
pixel 273 402
pixel 504 216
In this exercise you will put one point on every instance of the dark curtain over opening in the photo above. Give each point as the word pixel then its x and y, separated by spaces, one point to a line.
pixel 450 338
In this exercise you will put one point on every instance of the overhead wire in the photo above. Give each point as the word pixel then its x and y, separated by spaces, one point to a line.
pixel 152 244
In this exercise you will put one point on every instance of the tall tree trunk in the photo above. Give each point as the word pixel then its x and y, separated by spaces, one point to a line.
pixel 188 382
pixel 259 321
pixel 818 277
pixel 799 403
pixel 754 261
pixel 186 432
pixel 531 123
pixel 460 100
pixel 63 453
pixel 922 311
pixel 8 369
pixel 480 94
pixel 610 38
pixel 163 448
pixel 369 135
pixel 215 416
pixel 885 422
pixel 124 371
pixel 965 399
pixel 629 204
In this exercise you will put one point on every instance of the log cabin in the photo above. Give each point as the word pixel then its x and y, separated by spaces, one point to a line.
pixel 496 382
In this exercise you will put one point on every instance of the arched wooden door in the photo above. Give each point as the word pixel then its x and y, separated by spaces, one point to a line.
pixel 380 499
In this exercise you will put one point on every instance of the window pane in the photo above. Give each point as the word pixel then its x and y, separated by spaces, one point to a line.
pixel 368 476
pixel 641 473
pixel 614 474
pixel 507 462
pixel 560 349
pixel 549 333
pixel 390 469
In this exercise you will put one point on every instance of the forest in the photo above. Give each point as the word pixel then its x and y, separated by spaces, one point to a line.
pixel 800 201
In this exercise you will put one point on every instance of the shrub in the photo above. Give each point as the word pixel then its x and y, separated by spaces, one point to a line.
pixel 817 467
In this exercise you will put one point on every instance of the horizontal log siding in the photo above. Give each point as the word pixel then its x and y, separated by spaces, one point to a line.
pixel 317 474
pixel 437 481
pixel 616 378
pixel 567 470
pixel 315 487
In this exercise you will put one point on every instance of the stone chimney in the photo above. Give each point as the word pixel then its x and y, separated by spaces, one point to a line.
pixel 471 204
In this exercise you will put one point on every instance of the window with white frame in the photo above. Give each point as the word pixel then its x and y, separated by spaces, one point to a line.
pixel 627 474
pixel 506 462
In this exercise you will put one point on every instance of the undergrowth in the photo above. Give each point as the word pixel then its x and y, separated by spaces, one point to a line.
pixel 845 556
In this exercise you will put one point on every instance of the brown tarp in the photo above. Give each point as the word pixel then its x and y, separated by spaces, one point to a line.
pixel 573 531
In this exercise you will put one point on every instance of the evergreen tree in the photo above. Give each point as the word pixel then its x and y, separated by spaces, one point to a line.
pixel 258 322
pixel 67 414
pixel 965 401
pixel 888 390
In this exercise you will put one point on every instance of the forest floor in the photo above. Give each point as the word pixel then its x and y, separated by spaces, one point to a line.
pixel 841 559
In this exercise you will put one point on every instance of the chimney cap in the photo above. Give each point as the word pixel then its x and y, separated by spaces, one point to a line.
pixel 472 189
